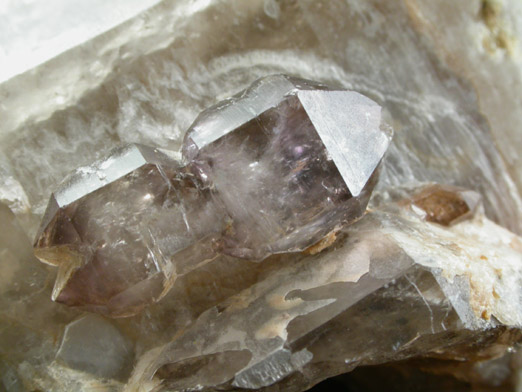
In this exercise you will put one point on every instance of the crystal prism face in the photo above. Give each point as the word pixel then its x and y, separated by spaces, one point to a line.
pixel 303 157
pixel 93 345
pixel 113 229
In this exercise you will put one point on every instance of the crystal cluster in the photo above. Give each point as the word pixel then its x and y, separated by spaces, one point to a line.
pixel 423 292
pixel 274 169
pixel 394 286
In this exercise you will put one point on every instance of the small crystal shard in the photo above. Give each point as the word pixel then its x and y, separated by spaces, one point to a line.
pixel 274 169
pixel 445 204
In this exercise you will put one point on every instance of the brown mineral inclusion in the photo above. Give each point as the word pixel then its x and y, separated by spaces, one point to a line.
pixel 445 204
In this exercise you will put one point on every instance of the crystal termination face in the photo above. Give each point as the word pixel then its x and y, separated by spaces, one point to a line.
pixel 273 169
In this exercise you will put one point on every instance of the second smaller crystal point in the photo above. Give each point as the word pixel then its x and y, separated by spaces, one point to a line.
pixel 273 169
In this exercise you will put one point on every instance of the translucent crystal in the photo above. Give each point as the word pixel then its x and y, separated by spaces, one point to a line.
pixel 445 204
pixel 274 169
pixel 93 345
pixel 113 228
pixel 394 286
pixel 290 160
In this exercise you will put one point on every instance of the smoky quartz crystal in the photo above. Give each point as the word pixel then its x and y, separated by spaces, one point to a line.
pixel 273 169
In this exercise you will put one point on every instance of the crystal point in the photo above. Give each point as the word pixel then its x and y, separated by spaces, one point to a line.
pixel 275 169
pixel 113 227
pixel 348 124
pixel 302 156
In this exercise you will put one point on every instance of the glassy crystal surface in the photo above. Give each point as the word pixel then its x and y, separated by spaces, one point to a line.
pixel 93 345
pixel 348 306
pixel 290 160
pixel 115 228
pixel 448 76
pixel 274 170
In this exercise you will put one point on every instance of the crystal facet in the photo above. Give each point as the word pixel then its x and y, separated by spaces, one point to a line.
pixel 291 160
pixel 274 169
pixel 113 228
pixel 93 345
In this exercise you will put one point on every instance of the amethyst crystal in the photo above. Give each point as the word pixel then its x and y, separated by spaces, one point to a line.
pixel 290 160
pixel 113 229
pixel 274 169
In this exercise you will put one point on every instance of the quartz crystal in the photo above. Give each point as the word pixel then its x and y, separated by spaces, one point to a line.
pixel 112 227
pixel 418 294
pixel 393 286
pixel 93 345
pixel 290 160
pixel 274 169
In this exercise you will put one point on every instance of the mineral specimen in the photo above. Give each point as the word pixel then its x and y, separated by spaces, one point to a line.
pixel 394 287
pixel 290 160
pixel 448 75
pixel 112 229
pixel 274 169
pixel 445 204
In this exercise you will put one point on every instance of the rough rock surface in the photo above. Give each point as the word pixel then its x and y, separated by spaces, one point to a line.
pixel 392 287
pixel 448 77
